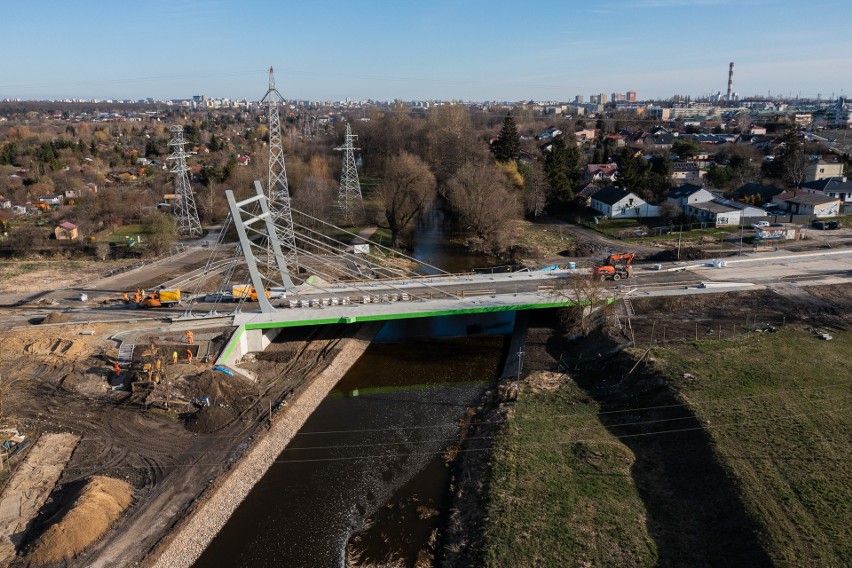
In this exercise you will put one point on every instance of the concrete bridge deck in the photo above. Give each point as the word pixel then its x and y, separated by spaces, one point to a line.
pixel 414 298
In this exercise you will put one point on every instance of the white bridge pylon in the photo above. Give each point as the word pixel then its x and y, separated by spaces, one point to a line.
pixel 243 221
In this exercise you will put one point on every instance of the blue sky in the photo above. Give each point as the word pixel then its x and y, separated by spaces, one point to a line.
pixel 440 49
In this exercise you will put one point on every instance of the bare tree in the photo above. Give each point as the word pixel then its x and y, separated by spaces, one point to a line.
pixel 589 295
pixel 408 188
pixel 535 188
pixel 482 196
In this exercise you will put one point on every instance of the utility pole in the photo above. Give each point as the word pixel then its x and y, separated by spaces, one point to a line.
pixel 184 210
pixel 518 377
pixel 349 197
pixel 742 229
pixel 277 190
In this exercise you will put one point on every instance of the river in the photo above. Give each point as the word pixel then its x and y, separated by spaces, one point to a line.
pixel 375 445
pixel 370 460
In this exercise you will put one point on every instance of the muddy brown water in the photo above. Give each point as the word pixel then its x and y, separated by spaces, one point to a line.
pixel 369 461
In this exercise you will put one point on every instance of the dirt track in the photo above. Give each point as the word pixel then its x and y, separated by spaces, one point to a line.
pixel 166 462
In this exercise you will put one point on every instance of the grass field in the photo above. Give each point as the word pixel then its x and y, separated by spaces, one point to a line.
pixel 718 453
pixel 777 408
pixel 561 492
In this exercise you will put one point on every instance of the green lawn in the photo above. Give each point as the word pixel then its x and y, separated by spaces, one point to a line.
pixel 121 234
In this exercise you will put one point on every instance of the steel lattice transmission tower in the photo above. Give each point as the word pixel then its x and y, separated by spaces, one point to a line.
pixel 277 190
pixel 349 197
pixel 184 210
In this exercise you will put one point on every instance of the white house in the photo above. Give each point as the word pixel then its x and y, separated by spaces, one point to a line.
pixel 688 194
pixel 616 203
pixel 687 172
pixel 821 169
pixel 716 213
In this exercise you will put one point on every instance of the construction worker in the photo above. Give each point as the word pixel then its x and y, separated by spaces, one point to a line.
pixel 158 365
pixel 138 297
pixel 189 337
pixel 117 368
pixel 189 356
pixel 126 298
pixel 174 358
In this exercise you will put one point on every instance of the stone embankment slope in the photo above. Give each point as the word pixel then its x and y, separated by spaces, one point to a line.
pixel 192 536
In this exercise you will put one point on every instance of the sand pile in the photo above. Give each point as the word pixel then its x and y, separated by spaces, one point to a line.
pixel 98 505
pixel 56 317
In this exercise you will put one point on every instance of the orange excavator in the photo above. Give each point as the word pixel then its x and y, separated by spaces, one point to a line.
pixel 616 267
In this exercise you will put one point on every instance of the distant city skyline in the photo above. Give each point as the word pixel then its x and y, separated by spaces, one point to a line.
pixel 442 50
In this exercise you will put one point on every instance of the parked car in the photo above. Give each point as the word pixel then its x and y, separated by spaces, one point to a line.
pixel 823 225
pixel 760 224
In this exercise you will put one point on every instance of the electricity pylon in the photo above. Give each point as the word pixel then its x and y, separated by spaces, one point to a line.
pixel 277 190
pixel 349 197
pixel 184 210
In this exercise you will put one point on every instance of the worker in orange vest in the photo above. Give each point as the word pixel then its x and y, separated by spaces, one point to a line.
pixel 174 358
pixel 126 298
pixel 117 368
pixel 189 356
pixel 189 337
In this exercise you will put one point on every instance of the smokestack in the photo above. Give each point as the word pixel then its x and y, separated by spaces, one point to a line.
pixel 730 78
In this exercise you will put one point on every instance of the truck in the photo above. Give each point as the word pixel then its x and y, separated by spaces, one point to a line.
pixel 160 298
pixel 616 267
pixel 245 291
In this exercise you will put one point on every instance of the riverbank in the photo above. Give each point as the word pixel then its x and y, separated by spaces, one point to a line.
pixel 698 452
pixel 189 539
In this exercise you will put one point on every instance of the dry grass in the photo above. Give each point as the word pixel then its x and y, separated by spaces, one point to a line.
pixel 99 504
pixel 561 492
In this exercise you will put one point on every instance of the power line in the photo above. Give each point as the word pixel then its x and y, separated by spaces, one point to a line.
pixel 536 444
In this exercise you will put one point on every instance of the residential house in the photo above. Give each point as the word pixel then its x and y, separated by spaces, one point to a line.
pixel 66 231
pixel 821 169
pixel 723 212
pixel 587 190
pixel 586 135
pixel 687 172
pixel 52 200
pixel 243 160
pixel 839 187
pixel 659 139
pixel 718 214
pixel 757 130
pixel 689 194
pixel 601 172
pixel 19 209
pixel 5 203
pixel 617 203
pixel 549 133
pixel 802 203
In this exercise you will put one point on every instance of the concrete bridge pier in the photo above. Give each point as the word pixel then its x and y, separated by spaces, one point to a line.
pixel 243 342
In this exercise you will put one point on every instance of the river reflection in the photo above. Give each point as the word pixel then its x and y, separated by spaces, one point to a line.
pixel 388 420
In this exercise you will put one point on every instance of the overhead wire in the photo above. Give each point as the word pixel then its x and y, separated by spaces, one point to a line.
pixel 547 444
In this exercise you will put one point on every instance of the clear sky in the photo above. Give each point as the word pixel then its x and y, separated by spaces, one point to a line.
pixel 437 49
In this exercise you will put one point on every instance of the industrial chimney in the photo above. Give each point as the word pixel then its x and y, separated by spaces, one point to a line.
pixel 730 79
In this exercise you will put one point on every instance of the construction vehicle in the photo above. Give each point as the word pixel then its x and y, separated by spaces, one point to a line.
pixel 616 267
pixel 244 291
pixel 160 298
